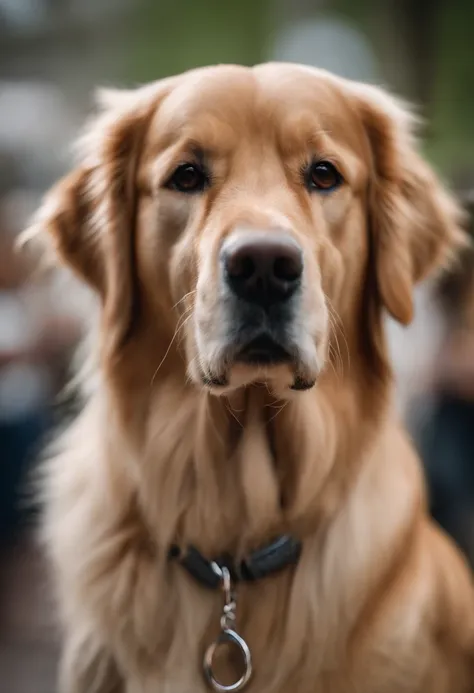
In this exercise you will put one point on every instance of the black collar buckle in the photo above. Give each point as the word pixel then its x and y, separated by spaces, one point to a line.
pixel 284 551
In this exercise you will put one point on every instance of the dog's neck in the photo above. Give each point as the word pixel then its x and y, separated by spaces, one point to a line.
pixel 229 473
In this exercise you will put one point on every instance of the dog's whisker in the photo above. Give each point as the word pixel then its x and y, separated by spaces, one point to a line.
pixel 232 413
pixel 280 409
pixel 337 326
pixel 340 324
pixel 333 365
pixel 183 298
pixel 336 353
pixel 176 332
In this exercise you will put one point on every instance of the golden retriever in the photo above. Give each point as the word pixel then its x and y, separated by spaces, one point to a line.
pixel 245 230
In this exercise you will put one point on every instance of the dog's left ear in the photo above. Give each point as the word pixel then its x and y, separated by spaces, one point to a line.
pixel 414 221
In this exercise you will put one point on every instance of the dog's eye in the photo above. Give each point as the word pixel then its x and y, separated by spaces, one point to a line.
pixel 188 178
pixel 324 176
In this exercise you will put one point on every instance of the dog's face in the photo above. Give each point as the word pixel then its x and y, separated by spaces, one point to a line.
pixel 238 206
pixel 252 179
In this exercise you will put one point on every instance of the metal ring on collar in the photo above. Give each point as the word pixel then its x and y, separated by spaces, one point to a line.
pixel 233 638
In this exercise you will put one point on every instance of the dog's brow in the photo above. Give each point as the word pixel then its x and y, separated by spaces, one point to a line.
pixel 198 148
pixel 303 133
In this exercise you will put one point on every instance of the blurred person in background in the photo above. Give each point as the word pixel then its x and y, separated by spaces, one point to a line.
pixel 434 370
pixel 446 436
pixel 35 341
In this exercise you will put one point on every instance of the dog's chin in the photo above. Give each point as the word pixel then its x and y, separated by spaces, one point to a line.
pixel 281 378
pixel 286 369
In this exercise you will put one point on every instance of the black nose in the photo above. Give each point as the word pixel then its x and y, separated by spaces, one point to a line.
pixel 262 268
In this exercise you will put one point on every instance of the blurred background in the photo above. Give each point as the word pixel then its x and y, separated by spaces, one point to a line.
pixel 52 55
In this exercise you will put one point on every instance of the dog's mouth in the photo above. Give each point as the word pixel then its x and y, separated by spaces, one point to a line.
pixel 263 350
pixel 262 359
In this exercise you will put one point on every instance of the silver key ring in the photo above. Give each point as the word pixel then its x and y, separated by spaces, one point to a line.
pixel 233 638
pixel 227 636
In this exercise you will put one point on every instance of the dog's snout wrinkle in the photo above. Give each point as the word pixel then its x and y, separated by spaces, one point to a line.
pixel 262 268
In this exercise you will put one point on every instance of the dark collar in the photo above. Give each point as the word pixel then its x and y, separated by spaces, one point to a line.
pixel 282 552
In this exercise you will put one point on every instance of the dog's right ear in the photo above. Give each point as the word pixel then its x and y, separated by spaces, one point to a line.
pixel 90 215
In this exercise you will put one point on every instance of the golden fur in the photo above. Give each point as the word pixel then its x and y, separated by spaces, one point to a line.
pixel 380 601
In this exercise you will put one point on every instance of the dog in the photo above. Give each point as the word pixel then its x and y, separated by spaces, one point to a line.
pixel 237 506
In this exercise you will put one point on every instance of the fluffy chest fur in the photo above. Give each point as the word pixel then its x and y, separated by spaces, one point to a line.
pixel 352 615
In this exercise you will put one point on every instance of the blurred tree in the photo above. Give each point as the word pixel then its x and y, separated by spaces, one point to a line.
pixel 452 143
pixel 435 38
pixel 425 52
pixel 171 37
pixel 417 26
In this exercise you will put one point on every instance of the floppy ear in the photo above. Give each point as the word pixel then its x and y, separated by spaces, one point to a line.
pixel 415 223
pixel 90 214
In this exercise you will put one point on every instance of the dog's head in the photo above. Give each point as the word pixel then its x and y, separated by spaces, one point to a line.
pixel 242 208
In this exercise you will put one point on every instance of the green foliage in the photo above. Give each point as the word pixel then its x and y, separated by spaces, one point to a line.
pixel 452 140
pixel 168 37
pixel 175 36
